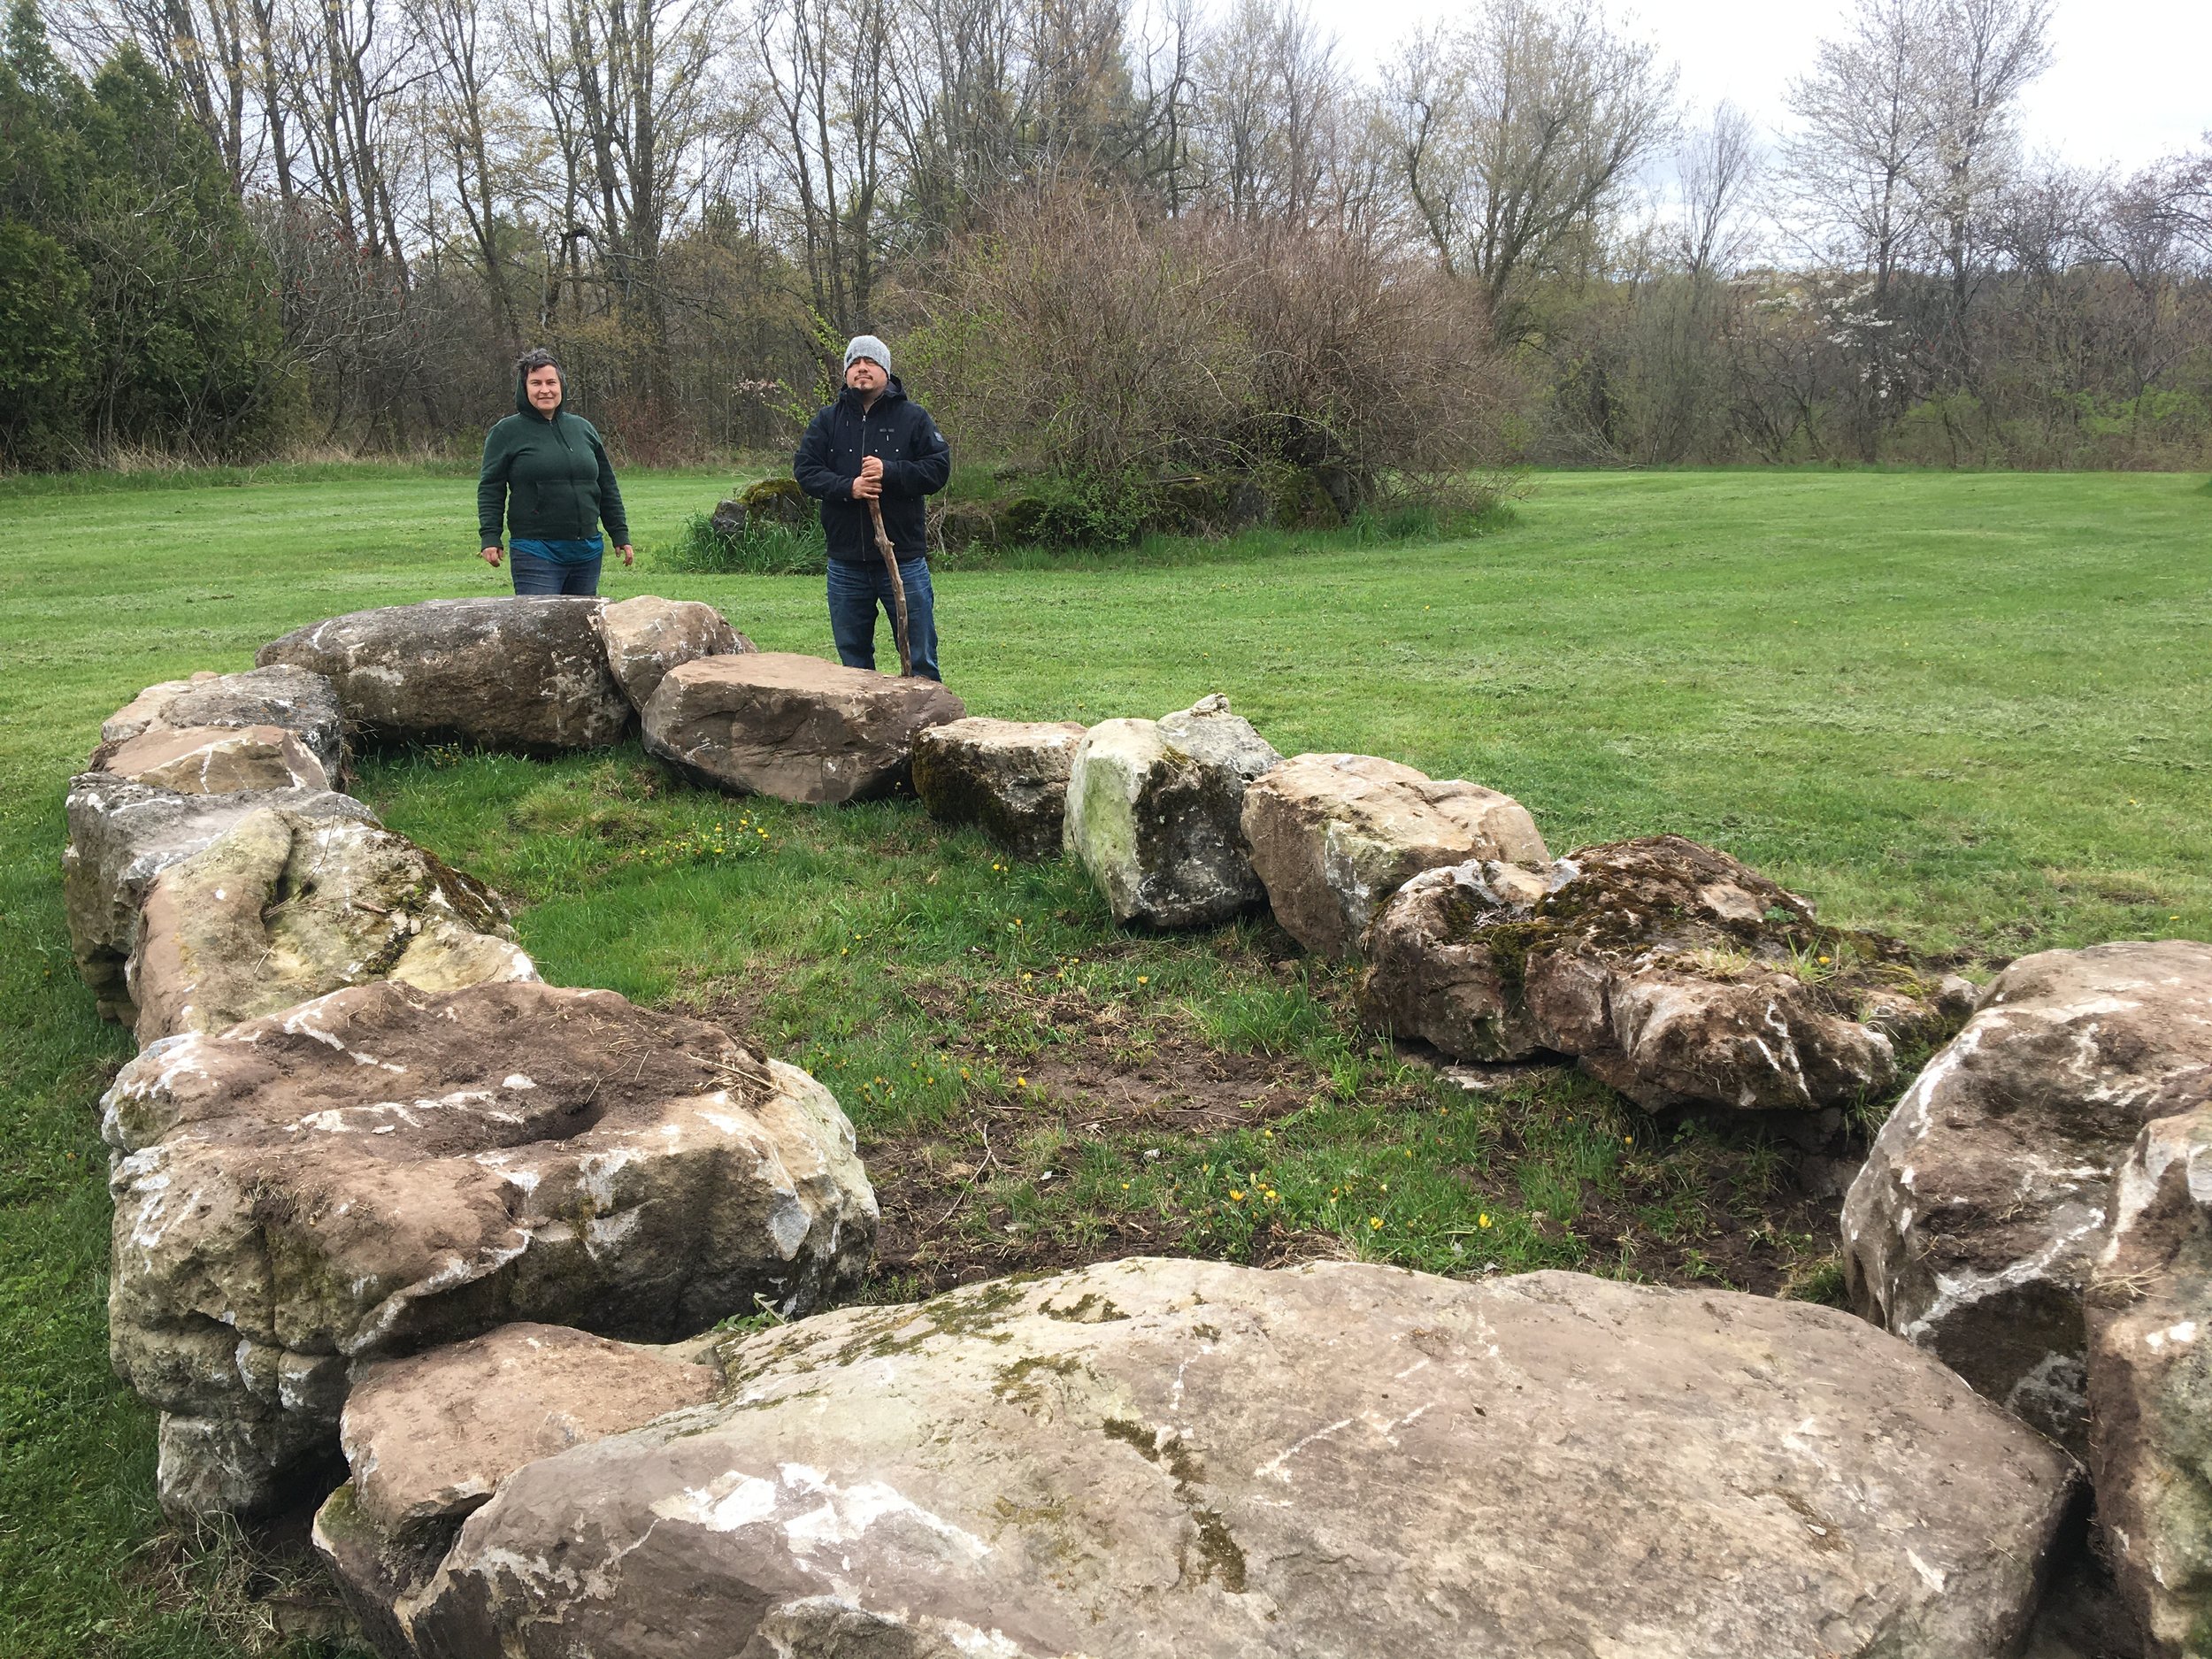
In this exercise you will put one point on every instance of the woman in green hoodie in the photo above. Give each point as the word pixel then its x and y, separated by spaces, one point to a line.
pixel 546 475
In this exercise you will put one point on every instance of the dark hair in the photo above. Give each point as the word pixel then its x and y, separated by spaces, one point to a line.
pixel 539 358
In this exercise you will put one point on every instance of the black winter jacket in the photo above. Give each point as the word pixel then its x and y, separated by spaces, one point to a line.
pixel 916 464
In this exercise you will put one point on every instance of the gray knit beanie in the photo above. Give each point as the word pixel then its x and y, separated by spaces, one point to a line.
pixel 870 348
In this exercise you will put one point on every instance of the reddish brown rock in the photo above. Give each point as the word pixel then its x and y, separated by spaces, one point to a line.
pixel 793 727
pixel 1333 836
pixel 1010 778
pixel 217 759
pixel 1985 1198
pixel 303 703
pixel 383 1169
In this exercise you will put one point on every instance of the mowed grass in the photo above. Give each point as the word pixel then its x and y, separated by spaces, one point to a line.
pixel 1970 709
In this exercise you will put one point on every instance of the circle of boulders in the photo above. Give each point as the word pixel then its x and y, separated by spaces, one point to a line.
pixel 380 1191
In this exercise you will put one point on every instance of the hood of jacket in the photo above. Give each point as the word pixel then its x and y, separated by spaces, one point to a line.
pixel 524 406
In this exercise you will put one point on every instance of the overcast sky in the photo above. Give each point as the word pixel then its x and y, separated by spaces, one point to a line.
pixel 2132 79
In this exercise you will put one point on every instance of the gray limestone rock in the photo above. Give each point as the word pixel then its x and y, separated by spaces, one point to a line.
pixel 1009 777
pixel 526 675
pixel 1167 1458
pixel 383 1169
pixel 1154 812
pixel 1984 1200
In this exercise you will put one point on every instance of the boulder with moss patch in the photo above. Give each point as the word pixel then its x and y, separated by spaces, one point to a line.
pixel 1667 969
pixel 775 501
pixel 1010 778
pixel 384 1170
pixel 284 908
pixel 1154 812
pixel 123 834
pixel 1975 1224
pixel 1156 1458
pixel 1333 836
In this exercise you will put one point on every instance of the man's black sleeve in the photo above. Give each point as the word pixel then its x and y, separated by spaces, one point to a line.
pixel 926 465
pixel 811 464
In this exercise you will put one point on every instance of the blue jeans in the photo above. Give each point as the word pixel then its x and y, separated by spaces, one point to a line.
pixel 855 591
pixel 534 576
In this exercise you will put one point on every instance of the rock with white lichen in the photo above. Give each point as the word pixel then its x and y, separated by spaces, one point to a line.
pixel 2150 1383
pixel 385 1169
pixel 291 699
pixel 1156 1458
pixel 1973 1228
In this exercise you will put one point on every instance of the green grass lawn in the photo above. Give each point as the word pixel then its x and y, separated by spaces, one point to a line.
pixel 1970 710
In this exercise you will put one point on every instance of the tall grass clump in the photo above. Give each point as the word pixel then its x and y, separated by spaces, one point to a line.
pixel 759 549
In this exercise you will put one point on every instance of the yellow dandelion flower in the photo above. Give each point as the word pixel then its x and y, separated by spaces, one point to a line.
pixel 1482 1221
pixel 1374 1223
pixel 1236 1196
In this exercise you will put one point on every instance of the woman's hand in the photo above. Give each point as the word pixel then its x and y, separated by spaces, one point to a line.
pixel 491 557
pixel 629 555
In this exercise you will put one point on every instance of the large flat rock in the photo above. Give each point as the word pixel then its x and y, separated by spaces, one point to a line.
pixel 1180 1457
pixel 1010 778
pixel 1333 836
pixel 123 834
pixel 793 727
pixel 1155 813
pixel 293 699
pixel 284 908
pixel 527 675
pixel 384 1168
pixel 1985 1199
pixel 2150 1383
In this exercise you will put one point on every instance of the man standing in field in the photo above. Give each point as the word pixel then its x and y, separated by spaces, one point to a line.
pixel 874 444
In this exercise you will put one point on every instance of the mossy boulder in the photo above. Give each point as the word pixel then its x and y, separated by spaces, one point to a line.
pixel 775 501
pixel 961 525
pixel 1670 971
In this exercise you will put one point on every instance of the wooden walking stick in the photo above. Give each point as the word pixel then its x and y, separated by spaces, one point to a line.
pixel 898 587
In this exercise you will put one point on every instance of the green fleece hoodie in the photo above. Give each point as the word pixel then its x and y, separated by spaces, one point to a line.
pixel 549 479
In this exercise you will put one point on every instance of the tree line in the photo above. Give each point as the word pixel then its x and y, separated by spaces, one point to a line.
pixel 1109 237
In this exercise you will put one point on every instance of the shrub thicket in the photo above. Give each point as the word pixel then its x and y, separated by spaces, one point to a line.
pixel 1115 348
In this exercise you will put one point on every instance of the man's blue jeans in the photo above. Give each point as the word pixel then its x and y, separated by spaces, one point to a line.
pixel 534 577
pixel 855 593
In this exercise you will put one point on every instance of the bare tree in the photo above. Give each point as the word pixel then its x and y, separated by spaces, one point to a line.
pixel 1980 56
pixel 1514 138
pixel 1716 169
